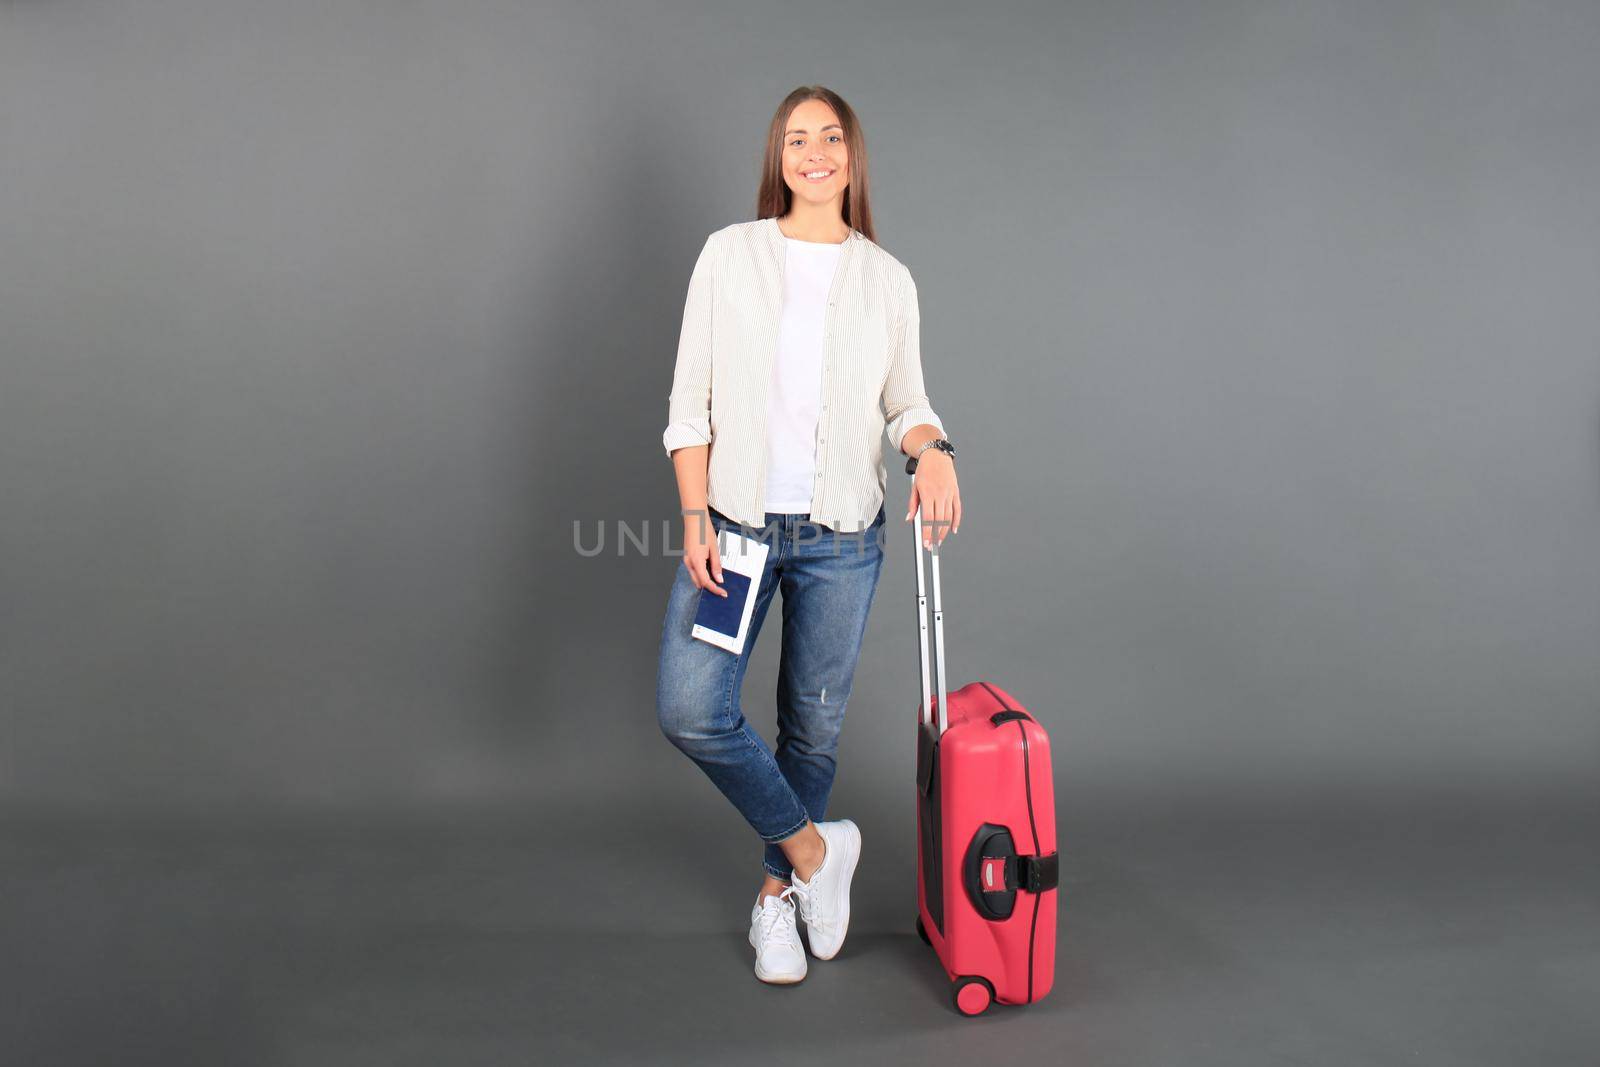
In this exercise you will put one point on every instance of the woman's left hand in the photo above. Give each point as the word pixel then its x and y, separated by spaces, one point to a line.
pixel 934 486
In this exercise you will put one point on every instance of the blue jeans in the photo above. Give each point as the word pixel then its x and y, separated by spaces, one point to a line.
pixel 828 579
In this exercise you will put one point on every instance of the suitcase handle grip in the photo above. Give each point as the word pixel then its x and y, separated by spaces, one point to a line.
pixel 925 711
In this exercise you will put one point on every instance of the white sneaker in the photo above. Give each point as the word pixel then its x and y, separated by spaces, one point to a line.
pixel 825 899
pixel 780 959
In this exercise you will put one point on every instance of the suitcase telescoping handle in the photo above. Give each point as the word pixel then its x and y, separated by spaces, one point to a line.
pixel 926 712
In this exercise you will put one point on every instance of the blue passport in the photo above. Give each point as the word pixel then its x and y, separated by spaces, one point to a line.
pixel 724 614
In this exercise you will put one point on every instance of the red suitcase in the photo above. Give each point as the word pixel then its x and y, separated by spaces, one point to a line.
pixel 986 832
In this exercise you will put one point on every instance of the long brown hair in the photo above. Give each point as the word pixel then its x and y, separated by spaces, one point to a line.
pixel 774 195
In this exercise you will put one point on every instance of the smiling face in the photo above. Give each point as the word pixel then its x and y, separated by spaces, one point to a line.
pixel 814 144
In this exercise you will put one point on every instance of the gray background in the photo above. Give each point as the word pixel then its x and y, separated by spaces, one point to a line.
pixel 1267 333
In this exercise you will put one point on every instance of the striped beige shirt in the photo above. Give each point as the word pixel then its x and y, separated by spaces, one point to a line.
pixel 871 373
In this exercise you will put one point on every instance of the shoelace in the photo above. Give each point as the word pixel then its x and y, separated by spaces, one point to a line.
pixel 777 919
pixel 803 893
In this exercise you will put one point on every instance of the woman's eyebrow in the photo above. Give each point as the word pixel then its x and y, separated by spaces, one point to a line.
pixel 835 126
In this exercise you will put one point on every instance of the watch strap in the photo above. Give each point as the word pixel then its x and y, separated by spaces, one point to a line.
pixel 941 443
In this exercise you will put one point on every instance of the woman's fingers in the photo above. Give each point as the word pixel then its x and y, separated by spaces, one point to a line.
pixel 702 574
pixel 946 515
pixel 941 510
pixel 714 558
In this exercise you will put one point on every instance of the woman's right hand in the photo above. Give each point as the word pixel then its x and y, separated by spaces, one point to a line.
pixel 700 556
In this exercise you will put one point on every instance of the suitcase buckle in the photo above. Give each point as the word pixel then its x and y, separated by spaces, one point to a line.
pixel 1039 873
pixel 1034 874
pixel 992 874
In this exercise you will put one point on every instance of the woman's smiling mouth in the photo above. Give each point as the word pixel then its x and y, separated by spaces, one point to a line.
pixel 815 176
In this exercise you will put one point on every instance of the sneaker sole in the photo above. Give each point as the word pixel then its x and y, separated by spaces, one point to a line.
pixel 778 979
pixel 773 979
pixel 852 855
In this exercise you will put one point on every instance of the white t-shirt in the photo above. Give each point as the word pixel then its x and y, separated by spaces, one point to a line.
pixel 795 400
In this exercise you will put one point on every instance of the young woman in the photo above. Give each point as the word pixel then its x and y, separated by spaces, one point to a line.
pixel 799 348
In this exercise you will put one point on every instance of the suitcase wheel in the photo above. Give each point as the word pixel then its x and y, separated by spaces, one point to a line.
pixel 922 931
pixel 972 995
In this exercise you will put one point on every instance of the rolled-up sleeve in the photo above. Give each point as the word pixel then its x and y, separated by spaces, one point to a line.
pixel 689 403
pixel 905 402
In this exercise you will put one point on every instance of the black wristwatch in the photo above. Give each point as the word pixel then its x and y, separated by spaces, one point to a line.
pixel 941 443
